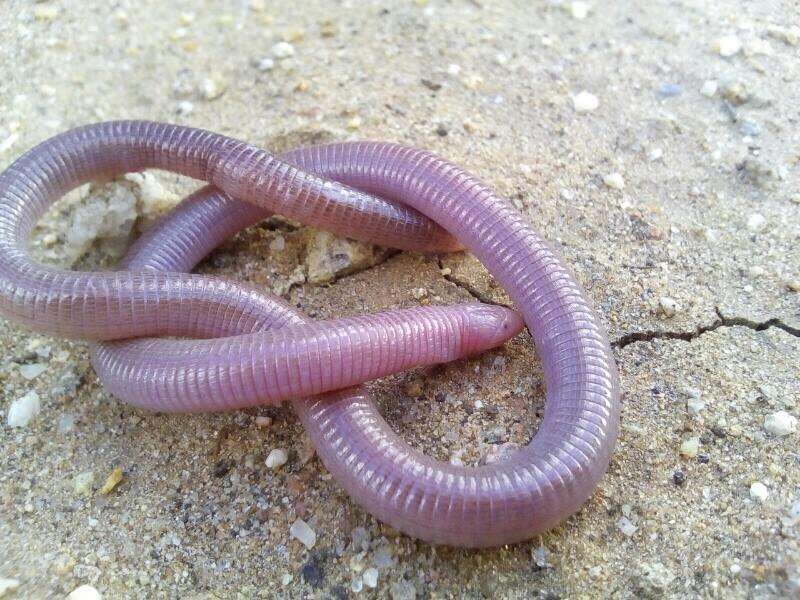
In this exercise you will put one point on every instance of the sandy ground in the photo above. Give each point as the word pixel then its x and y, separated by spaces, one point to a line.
pixel 705 227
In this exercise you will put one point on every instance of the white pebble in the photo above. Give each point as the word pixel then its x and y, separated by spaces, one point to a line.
pixel 655 154
pixel 579 10
pixel 303 533
pixel 780 423
pixel 756 222
pixel 758 491
pixel 276 459
pixel 32 371
pixel 265 64
pixel 371 577
pixel 85 592
pixel 585 101
pixel 690 447
pixel 8 585
pixel 263 421
pixel 626 526
pixel 212 88
pixel 287 579
pixel 694 406
pixel 185 107
pixel 453 70
pixel 709 88
pixel 728 45
pixel 357 584
pixel 283 50
pixel 614 181
pixel 668 307
pixel 22 410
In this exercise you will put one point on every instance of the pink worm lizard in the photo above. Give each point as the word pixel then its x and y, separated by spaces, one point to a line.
pixel 260 350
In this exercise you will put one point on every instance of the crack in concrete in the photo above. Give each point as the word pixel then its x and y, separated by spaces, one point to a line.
pixel 470 289
pixel 629 338
pixel 721 322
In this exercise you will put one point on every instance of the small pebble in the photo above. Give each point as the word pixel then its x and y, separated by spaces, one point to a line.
pixel 276 459
pixel 313 574
pixel 585 102
pixel 357 584
pixel 382 558
pixel 626 526
pixel 780 423
pixel 23 410
pixel 750 128
pixel 736 93
pixel 679 478
pixel 669 90
pixel 728 46
pixel 579 10
pixel 85 592
pixel 278 244
pixel 756 222
pixel 45 12
pixel 66 423
pixel 283 50
pixel 82 483
pixel 263 421
pixel 403 590
pixel 614 181
pixel 668 307
pixel 265 64
pixel 370 577
pixel 690 447
pixel 212 88
pixel 303 533
pixel 539 556
pixel 360 537
pixel 32 371
pixel 287 579
pixel 694 406
pixel 787 35
pixel 709 88
pixel 758 491
pixel 185 107
pixel 655 154
pixel 8 585
pixel 794 513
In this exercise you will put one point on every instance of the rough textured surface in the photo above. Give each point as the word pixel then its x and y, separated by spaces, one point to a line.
pixel 197 511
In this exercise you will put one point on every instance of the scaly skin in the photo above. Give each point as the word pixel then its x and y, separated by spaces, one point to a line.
pixel 441 503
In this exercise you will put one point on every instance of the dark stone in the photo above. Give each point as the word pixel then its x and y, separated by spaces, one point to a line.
pixel 221 468
pixel 679 478
pixel 434 86
pixel 338 593
pixel 312 574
